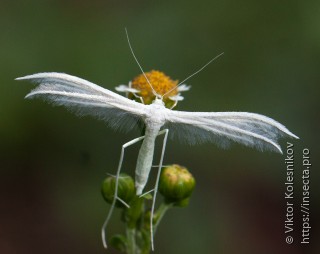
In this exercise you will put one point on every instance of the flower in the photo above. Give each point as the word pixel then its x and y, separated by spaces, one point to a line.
pixel 140 90
pixel 126 189
pixel 176 185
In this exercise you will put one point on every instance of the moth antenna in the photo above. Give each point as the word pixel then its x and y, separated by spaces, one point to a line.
pixel 135 58
pixel 195 73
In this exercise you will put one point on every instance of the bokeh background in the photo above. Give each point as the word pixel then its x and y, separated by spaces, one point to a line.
pixel 52 163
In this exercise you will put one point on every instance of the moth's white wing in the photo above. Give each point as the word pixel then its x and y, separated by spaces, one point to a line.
pixel 86 98
pixel 246 128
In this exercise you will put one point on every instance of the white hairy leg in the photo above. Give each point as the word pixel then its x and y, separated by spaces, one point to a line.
pixel 115 197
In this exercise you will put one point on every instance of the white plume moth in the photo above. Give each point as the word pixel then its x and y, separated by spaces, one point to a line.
pixel 86 98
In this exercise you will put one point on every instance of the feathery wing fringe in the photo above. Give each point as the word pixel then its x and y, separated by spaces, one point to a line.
pixel 250 129
pixel 86 98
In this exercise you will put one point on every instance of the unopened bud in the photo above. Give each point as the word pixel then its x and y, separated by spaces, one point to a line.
pixel 176 185
pixel 147 216
pixel 119 242
pixel 126 189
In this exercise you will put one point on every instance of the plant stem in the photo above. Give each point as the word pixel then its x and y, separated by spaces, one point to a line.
pixel 164 207
pixel 131 238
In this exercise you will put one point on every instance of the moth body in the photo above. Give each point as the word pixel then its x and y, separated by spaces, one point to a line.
pixel 154 120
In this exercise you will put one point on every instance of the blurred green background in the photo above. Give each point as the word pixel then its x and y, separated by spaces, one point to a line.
pixel 52 163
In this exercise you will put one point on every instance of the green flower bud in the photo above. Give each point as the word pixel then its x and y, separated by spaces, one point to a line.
pixel 156 217
pixel 176 185
pixel 126 189
pixel 143 241
pixel 119 242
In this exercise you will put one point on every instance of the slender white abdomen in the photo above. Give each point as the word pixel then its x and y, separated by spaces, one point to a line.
pixel 155 119
pixel 145 158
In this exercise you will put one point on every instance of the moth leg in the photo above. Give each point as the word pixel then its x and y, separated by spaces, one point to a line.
pixel 149 191
pixel 157 166
pixel 175 104
pixel 139 97
pixel 135 95
pixel 143 194
pixel 115 197
pixel 165 132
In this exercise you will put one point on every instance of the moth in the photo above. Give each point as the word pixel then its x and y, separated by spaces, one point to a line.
pixel 86 98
